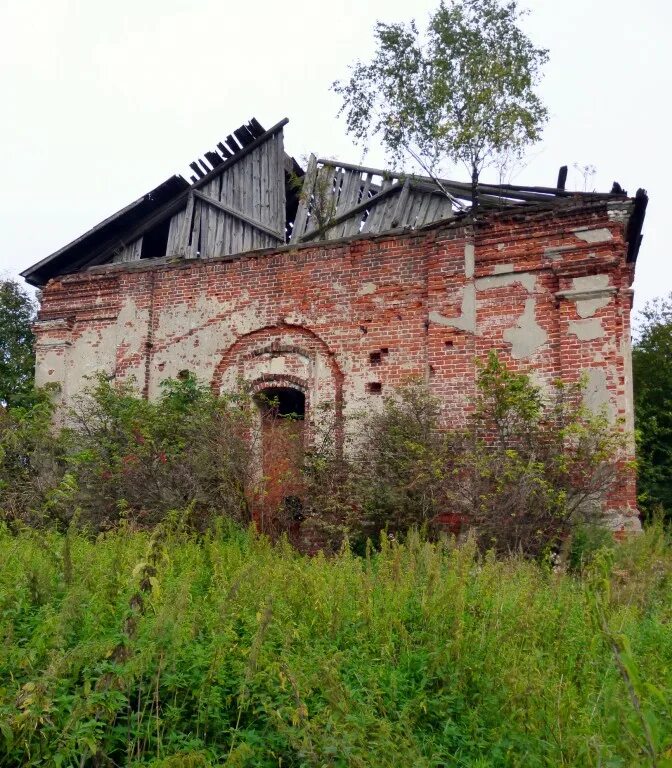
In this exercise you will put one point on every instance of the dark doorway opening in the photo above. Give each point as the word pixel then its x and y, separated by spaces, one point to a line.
pixel 282 401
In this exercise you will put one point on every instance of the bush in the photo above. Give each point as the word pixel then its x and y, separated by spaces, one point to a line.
pixel 522 473
pixel 123 457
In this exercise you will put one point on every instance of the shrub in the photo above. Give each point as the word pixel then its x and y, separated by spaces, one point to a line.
pixel 524 470
pixel 141 459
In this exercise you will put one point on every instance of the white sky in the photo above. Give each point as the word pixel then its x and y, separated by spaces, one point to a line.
pixel 104 100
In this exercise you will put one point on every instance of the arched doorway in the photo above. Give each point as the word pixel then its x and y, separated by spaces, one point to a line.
pixel 283 411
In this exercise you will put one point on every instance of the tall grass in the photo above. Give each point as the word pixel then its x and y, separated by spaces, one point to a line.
pixel 167 649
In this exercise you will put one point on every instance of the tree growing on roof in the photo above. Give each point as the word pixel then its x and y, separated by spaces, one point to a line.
pixel 462 90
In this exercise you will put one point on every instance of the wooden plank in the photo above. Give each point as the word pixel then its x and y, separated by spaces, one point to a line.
pixel 194 248
pixel 197 169
pixel 225 152
pixel 348 199
pixel 422 213
pixel 255 180
pixel 214 159
pixel 238 215
pixel 219 226
pixel 174 230
pixel 413 208
pixel 375 217
pixel 255 128
pixel 244 171
pixel 301 218
pixel 400 207
pixel 359 208
pixel 183 246
pixel 279 220
pixel 232 144
pixel 244 136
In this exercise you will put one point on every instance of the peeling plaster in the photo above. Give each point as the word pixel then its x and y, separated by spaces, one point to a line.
pixel 601 235
pixel 469 260
pixel 527 280
pixel 596 394
pixel 590 293
pixel 527 336
pixel 590 282
pixel 467 319
pixel 587 330
pixel 503 269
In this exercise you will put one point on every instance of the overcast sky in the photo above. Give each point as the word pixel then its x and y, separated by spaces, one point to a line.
pixel 104 100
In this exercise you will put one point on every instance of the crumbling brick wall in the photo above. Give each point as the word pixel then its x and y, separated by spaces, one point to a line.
pixel 347 321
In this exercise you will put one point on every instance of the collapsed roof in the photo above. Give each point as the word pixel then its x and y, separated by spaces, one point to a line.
pixel 248 194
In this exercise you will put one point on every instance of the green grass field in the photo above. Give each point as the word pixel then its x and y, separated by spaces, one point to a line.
pixel 174 650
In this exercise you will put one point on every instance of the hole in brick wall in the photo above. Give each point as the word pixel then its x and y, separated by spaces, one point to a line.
pixel 374 387
pixel 363 329
pixel 375 358
pixel 385 350
pixel 448 344
pixel 183 375
pixel 431 370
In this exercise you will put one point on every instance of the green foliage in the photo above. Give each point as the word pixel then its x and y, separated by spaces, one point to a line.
pixel 28 458
pixel 532 467
pixel 524 471
pixel 124 458
pixel 17 362
pixel 652 372
pixel 173 649
pixel 463 90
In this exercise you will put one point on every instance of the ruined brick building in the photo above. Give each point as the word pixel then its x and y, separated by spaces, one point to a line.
pixel 336 283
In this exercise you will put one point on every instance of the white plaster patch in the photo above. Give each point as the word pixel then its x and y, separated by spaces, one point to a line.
pixel 601 235
pixel 503 269
pixel 596 394
pixel 590 282
pixel 587 330
pixel 526 279
pixel 469 260
pixel 467 319
pixel 527 336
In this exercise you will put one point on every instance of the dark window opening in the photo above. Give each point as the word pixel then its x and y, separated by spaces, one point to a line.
pixel 155 241
pixel 282 401
pixel 448 344
pixel 385 350
pixel 375 358
pixel 374 387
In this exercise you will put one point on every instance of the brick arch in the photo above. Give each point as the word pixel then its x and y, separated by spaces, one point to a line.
pixel 274 339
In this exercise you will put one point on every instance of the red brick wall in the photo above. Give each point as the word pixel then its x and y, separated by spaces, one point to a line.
pixel 549 290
